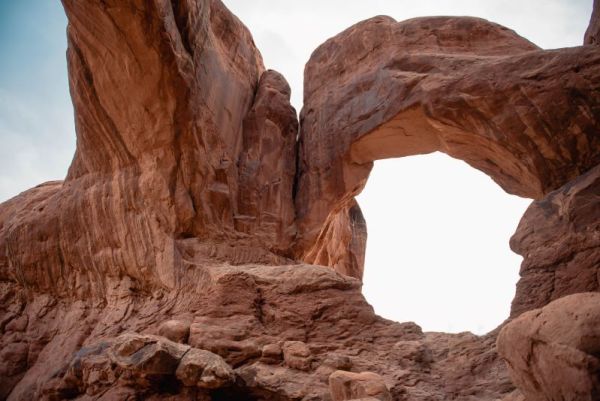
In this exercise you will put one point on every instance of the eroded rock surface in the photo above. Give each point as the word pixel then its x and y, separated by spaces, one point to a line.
pixel 185 151
pixel 318 317
pixel 552 352
pixel 463 86
pixel 559 238
pixel 168 265
pixel 353 386
pixel 592 35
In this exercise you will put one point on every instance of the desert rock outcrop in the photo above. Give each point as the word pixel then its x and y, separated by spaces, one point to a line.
pixel 559 238
pixel 353 386
pixel 592 34
pixel 552 352
pixel 201 248
pixel 181 144
pixel 464 86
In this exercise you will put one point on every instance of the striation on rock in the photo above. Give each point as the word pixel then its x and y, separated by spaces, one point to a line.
pixel 464 86
pixel 592 34
pixel 559 239
pixel 201 248
pixel 552 352
pixel 167 159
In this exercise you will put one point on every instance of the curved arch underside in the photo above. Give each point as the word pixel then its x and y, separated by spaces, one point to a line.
pixel 527 117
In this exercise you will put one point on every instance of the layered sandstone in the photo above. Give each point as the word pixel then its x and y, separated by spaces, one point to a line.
pixel 116 347
pixel 552 352
pixel 464 86
pixel 559 239
pixel 592 34
pixel 200 248
pixel 181 144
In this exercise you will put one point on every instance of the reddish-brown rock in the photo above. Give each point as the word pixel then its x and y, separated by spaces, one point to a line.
pixel 70 343
pixel 353 386
pixel 296 355
pixel 592 34
pixel 204 369
pixel 559 238
pixel 477 91
pixel 183 210
pixel 181 144
pixel 552 353
pixel 175 330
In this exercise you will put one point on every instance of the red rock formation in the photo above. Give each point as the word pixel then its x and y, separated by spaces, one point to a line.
pixel 592 34
pixel 168 157
pixel 463 86
pixel 559 239
pixel 53 348
pixel 354 386
pixel 552 353
pixel 162 267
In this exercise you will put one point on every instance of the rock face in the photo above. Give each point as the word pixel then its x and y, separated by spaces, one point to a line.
pixel 552 352
pixel 592 35
pixel 354 386
pixel 464 86
pixel 181 144
pixel 559 238
pixel 67 349
pixel 201 248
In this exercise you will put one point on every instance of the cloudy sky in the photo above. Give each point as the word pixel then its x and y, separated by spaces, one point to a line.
pixel 438 230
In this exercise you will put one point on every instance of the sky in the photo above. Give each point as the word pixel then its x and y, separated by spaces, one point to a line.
pixel 438 250
pixel 36 116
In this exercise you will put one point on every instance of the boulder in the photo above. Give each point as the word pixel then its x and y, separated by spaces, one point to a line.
pixel 352 386
pixel 552 352
pixel 147 355
pixel 175 330
pixel 297 355
pixel 204 369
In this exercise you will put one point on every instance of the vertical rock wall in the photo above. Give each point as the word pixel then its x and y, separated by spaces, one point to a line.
pixel 183 140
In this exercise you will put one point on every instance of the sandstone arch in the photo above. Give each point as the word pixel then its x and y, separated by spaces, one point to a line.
pixel 181 204
pixel 527 117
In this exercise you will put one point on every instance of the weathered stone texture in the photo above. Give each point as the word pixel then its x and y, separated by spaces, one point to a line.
pixel 201 248
pixel 475 90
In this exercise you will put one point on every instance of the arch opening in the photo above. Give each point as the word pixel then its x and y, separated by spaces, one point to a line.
pixel 437 251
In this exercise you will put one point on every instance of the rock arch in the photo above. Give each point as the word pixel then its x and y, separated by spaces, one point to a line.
pixel 183 202
pixel 527 117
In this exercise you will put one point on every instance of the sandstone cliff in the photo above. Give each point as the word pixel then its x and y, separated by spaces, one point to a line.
pixel 204 247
